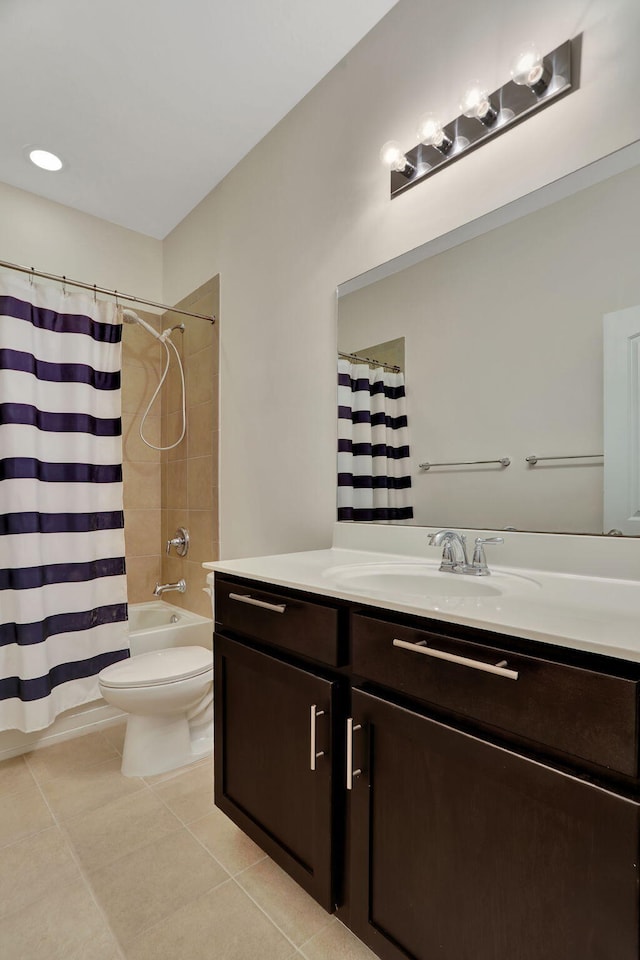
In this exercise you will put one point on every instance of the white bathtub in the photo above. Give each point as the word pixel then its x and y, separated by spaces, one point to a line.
pixel 157 625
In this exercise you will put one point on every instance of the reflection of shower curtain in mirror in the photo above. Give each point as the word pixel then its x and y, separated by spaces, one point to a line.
pixel 373 447
pixel 63 600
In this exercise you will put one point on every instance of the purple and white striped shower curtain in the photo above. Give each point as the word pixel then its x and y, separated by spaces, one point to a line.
pixel 374 477
pixel 63 598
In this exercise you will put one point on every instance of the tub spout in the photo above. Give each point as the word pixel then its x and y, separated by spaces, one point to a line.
pixel 161 588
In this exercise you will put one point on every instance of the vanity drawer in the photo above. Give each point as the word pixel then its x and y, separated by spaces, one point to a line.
pixel 578 711
pixel 302 627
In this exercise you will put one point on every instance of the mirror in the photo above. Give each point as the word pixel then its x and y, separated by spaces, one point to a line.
pixel 520 335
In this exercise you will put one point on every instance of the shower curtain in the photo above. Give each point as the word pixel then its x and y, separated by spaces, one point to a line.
pixel 63 601
pixel 374 480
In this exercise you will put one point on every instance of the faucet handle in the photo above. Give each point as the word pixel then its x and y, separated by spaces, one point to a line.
pixel 479 562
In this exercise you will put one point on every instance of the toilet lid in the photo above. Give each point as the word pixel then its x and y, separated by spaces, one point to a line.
pixel 161 666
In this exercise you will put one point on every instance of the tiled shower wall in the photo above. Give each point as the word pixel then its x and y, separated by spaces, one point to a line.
pixel 176 488
pixel 190 470
pixel 141 367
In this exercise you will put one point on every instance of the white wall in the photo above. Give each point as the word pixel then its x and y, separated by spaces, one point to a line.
pixel 53 238
pixel 309 207
pixel 504 357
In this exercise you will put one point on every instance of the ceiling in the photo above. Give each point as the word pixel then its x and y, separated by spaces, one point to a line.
pixel 151 102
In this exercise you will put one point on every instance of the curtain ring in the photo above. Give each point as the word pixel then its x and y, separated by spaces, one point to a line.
pixel 64 285
pixel 31 276
pixel 95 297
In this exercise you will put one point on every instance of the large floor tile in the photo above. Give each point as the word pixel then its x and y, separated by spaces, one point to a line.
pixel 32 867
pixel 115 735
pixel 80 791
pixel 22 814
pixel 70 755
pixel 147 885
pixel 14 776
pixel 119 828
pixel 189 796
pixel 288 905
pixel 222 925
pixel 62 924
pixel 335 942
pixel 227 843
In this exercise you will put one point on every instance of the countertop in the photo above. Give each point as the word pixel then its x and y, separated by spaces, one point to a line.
pixel 595 614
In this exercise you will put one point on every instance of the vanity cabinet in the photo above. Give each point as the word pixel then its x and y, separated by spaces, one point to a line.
pixel 279 743
pixel 467 851
pixel 475 796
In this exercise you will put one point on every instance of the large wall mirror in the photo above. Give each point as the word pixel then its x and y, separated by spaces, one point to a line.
pixel 517 336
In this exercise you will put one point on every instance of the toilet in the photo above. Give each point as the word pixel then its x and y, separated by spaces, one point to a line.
pixel 168 696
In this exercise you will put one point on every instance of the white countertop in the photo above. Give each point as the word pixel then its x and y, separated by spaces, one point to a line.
pixel 596 614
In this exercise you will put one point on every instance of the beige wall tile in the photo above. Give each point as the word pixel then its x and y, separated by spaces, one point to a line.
pixel 142 533
pixel 141 486
pixel 149 884
pixel 223 924
pixel 132 446
pixel 176 494
pixel 142 576
pixel 200 483
pixel 201 429
pixel 202 534
pixel 172 387
pixel 200 377
pixel 171 430
pixel 138 385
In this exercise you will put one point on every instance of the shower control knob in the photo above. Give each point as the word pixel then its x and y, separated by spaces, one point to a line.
pixel 180 540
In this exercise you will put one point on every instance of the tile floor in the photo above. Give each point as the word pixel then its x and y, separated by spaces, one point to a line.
pixel 95 866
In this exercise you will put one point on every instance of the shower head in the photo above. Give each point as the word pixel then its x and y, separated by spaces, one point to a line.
pixel 130 316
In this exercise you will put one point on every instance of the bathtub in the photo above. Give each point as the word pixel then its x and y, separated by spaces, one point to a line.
pixel 157 625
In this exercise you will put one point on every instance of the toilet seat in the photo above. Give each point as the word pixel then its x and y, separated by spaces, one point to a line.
pixel 159 667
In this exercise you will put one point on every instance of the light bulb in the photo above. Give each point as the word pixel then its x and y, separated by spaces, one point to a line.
pixel 476 104
pixel 430 133
pixel 45 160
pixel 392 156
pixel 528 69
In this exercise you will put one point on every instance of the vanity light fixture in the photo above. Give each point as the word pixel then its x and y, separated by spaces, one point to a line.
pixel 392 157
pixel 431 134
pixel 45 160
pixel 536 81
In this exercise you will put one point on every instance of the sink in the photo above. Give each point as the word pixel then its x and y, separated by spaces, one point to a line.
pixel 425 580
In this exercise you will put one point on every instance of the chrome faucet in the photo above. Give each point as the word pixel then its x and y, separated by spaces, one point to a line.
pixel 161 588
pixel 454 553
pixel 454 550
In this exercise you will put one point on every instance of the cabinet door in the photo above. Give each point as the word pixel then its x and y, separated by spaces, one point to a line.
pixel 264 781
pixel 466 851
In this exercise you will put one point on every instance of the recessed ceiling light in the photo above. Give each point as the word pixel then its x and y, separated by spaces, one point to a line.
pixel 45 159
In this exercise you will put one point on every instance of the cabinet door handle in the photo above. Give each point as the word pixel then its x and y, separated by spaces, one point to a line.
pixel 313 754
pixel 351 773
pixel 499 669
pixel 275 607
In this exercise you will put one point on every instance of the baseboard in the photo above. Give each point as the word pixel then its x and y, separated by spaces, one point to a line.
pixel 73 723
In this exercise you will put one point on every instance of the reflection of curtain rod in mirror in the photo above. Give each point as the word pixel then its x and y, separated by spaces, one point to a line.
pixel 374 363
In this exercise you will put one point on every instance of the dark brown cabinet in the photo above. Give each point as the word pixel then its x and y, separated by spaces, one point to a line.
pixel 492 814
pixel 463 850
pixel 270 717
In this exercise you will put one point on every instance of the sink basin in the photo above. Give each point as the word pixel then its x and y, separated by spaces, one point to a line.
pixel 425 580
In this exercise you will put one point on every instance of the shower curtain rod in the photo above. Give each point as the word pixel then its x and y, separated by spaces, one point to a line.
pixel 376 363
pixel 111 293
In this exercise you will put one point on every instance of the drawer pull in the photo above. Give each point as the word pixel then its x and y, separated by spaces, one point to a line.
pixel 351 773
pixel 275 607
pixel 313 755
pixel 499 669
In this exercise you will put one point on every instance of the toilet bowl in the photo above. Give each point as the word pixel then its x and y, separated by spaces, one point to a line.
pixel 167 695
